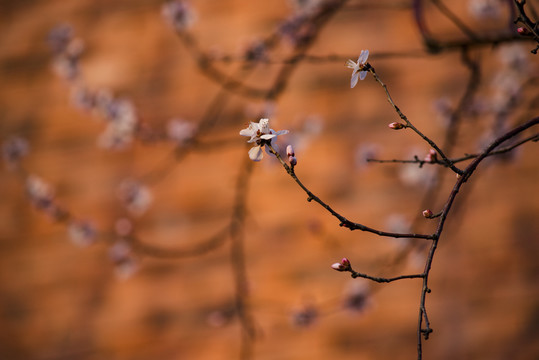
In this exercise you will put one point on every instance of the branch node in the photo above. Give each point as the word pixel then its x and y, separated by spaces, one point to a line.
pixel 426 332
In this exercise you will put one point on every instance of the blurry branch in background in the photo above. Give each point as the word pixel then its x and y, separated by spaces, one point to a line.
pixel 300 31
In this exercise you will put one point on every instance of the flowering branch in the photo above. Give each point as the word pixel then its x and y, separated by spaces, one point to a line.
pixel 344 222
pixel 417 160
pixel 531 27
pixel 467 173
pixel 346 266
pixel 408 124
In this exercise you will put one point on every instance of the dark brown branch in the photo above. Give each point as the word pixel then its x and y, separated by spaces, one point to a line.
pixel 466 157
pixel 344 222
pixel 470 169
pixel 408 123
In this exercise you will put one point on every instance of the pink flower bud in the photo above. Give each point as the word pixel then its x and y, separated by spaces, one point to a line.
pixel 344 265
pixel 427 213
pixel 290 151
pixel 432 156
pixel 396 126
pixel 523 31
pixel 293 161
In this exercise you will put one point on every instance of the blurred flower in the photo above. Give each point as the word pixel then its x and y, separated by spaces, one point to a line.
pixel 443 108
pixel 397 223
pixel 83 98
pixel 260 134
pixel 297 29
pixel 365 152
pixel 123 259
pixel 81 233
pixel 123 227
pixel 415 176
pixel 357 296
pixel 304 5
pixel 304 316
pixel 357 67
pixel 40 192
pixel 59 37
pixel 485 9
pixel 180 131
pixel 221 317
pixel 256 51
pixel 122 121
pixel 306 130
pixel 66 61
pixel 14 149
pixel 514 56
pixel 135 196
pixel 178 14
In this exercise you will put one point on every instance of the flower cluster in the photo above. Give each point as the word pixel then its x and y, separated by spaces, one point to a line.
pixel 120 114
pixel 41 196
pixel 261 135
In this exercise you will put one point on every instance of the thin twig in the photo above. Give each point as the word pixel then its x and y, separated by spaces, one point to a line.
pixel 344 222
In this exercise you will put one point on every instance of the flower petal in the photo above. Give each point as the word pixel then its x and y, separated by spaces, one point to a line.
pixel 274 146
pixel 246 132
pixel 351 64
pixel 256 153
pixel 362 75
pixel 268 136
pixel 363 57
pixel 282 132
pixel 355 78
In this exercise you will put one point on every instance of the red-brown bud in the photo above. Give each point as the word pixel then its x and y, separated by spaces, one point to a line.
pixel 396 126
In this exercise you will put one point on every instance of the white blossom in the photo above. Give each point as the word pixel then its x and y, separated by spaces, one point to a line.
pixel 81 233
pixel 123 259
pixel 485 9
pixel 180 131
pixel 135 196
pixel 358 71
pixel 178 14
pixel 260 134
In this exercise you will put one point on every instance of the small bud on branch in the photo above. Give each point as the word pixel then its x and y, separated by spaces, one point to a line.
pixel 396 126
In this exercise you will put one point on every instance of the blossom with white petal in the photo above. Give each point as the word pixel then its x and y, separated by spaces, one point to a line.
pixel 260 134
pixel 135 196
pixel 178 14
pixel 358 67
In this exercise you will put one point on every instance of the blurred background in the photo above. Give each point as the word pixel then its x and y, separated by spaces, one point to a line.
pixel 60 300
